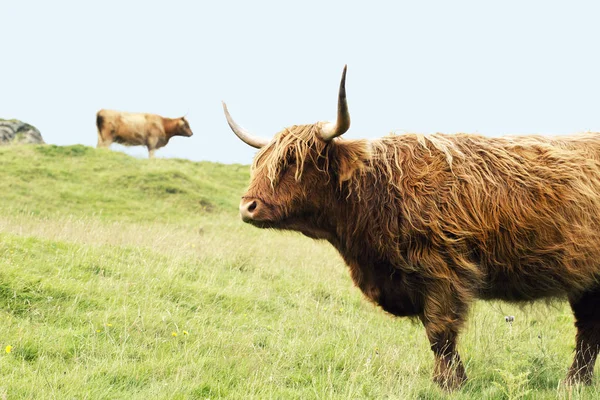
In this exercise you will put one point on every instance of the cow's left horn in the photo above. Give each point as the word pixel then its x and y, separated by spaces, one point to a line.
pixel 331 130
pixel 247 137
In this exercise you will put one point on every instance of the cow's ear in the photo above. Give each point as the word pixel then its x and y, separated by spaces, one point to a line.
pixel 349 158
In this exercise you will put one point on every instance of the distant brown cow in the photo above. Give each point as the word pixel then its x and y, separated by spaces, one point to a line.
pixel 427 224
pixel 138 129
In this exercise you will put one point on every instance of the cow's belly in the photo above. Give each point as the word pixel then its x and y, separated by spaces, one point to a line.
pixel 389 288
pixel 131 139
pixel 526 283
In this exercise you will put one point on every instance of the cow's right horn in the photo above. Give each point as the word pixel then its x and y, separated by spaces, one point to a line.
pixel 332 130
pixel 247 137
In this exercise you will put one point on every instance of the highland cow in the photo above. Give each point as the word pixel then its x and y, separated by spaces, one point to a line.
pixel 138 129
pixel 427 224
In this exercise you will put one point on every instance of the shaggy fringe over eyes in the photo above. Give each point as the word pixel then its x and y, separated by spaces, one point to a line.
pixel 299 143
pixel 295 144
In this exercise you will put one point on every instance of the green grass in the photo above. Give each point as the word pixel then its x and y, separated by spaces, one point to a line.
pixel 48 180
pixel 123 278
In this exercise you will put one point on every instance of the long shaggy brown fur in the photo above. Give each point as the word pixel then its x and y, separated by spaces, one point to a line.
pixel 429 223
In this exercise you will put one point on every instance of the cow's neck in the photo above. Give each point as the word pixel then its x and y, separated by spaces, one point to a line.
pixel 367 221
pixel 171 127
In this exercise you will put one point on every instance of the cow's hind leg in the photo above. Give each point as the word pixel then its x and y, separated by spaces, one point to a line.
pixel 100 124
pixel 102 141
pixel 586 309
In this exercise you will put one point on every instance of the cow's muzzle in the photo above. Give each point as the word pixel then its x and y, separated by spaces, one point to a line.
pixel 250 209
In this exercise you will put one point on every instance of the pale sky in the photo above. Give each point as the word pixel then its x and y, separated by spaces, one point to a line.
pixel 493 68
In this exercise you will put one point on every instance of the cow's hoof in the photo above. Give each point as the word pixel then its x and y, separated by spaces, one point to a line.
pixel 450 381
pixel 578 378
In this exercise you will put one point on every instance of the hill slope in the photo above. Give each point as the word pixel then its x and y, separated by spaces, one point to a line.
pixel 83 181
pixel 123 278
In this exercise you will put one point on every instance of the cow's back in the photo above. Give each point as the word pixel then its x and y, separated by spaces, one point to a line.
pixel 587 144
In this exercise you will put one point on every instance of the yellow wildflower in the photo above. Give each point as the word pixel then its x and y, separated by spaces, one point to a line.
pixel 8 349
pixel 185 332
pixel 174 334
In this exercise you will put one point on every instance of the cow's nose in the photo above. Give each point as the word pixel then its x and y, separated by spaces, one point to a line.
pixel 248 209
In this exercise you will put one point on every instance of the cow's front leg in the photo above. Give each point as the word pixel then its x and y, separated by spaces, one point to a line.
pixel 449 371
pixel 152 145
pixel 442 317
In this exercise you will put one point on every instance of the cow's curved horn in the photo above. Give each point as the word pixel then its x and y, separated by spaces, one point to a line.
pixel 247 137
pixel 331 130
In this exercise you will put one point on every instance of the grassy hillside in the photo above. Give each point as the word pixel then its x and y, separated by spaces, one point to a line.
pixel 83 181
pixel 123 278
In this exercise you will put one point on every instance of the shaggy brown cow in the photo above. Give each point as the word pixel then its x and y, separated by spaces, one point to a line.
pixel 427 224
pixel 138 129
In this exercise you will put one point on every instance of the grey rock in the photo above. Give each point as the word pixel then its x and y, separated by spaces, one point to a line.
pixel 13 131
